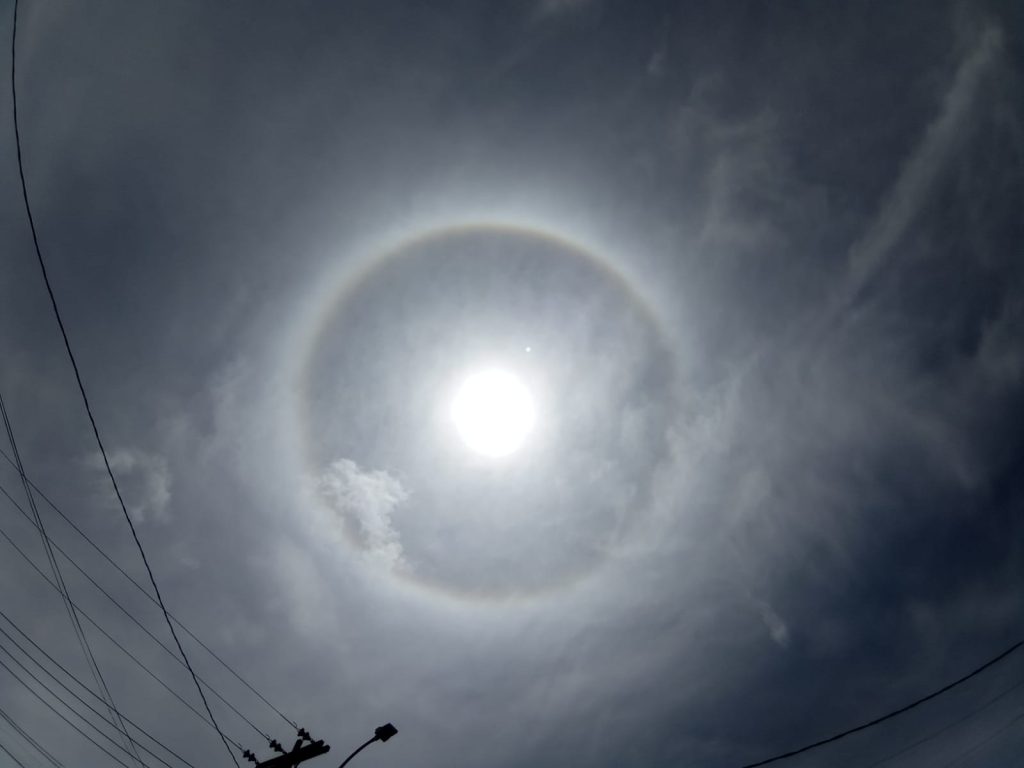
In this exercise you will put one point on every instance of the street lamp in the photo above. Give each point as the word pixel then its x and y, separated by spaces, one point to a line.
pixel 383 733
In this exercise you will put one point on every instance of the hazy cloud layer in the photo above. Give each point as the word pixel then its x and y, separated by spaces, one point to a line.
pixel 775 486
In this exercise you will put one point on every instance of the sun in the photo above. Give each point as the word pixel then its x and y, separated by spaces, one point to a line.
pixel 493 412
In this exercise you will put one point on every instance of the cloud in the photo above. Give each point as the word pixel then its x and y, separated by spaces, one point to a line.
pixel 656 64
pixel 546 7
pixel 748 167
pixel 364 501
pixel 920 170
pixel 774 623
pixel 144 480
pixel 1000 354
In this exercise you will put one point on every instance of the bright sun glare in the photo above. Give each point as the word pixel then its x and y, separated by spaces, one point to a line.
pixel 493 413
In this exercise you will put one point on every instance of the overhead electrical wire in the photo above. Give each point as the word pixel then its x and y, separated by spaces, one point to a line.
pixel 889 715
pixel 984 742
pixel 10 755
pixel 49 673
pixel 60 666
pixel 82 392
pixel 136 621
pixel 29 740
pixel 949 726
pixel 138 662
pixel 147 593
pixel 64 717
pixel 83 640
pixel 83 702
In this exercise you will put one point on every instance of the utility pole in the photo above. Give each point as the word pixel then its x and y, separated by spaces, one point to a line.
pixel 298 754
pixel 305 749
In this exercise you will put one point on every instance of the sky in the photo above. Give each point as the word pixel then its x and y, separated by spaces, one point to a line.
pixel 758 265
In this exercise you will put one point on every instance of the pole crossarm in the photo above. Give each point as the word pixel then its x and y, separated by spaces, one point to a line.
pixel 298 754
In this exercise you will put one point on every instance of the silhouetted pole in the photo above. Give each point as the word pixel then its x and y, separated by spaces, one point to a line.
pixel 383 733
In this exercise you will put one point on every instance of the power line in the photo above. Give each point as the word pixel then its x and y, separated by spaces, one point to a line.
pixel 110 637
pixel 871 723
pixel 148 595
pixel 78 714
pixel 81 387
pixel 59 682
pixel 28 738
pixel 135 620
pixel 65 594
pixel 56 663
pixel 63 717
pixel 8 753
pixel 985 742
pixel 963 719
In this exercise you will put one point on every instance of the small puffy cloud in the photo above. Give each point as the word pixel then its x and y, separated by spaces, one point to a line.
pixel 144 480
pixel 363 502
pixel 774 623
pixel 656 64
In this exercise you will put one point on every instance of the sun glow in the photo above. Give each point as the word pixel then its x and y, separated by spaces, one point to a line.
pixel 493 413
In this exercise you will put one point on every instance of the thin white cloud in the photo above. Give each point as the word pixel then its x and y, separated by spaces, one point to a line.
pixel 920 170
pixel 773 622
pixel 144 480
pixel 364 501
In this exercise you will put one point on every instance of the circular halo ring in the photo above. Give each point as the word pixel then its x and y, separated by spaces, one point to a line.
pixel 337 288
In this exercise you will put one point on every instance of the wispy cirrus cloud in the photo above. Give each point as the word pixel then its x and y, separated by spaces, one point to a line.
pixel 920 169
